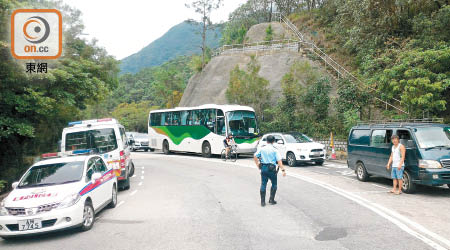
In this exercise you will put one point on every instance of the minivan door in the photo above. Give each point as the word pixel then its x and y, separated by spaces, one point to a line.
pixel 380 143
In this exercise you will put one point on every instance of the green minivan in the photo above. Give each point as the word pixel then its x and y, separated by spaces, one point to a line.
pixel 427 152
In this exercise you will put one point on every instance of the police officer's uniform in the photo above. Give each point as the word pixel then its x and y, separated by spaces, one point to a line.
pixel 269 156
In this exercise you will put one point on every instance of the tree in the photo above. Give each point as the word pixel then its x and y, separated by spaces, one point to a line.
pixel 133 116
pixel 269 33
pixel 248 88
pixel 204 8
pixel 35 108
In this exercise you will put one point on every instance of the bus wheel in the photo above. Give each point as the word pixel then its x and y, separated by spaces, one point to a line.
pixel 361 172
pixel 206 150
pixel 166 147
pixel 408 185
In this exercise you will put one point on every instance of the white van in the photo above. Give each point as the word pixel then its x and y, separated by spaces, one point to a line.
pixel 105 137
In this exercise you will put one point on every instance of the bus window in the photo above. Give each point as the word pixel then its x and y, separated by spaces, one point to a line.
pixel 184 117
pixel 155 119
pixel 220 122
pixel 209 119
pixel 176 118
pixel 195 117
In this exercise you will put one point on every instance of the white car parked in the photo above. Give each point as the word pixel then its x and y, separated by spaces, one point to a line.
pixel 58 193
pixel 296 147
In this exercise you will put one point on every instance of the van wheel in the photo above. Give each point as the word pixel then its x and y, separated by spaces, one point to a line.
pixel 206 150
pixel 88 217
pixel 361 172
pixel 166 148
pixel 113 202
pixel 290 158
pixel 408 185
pixel 132 169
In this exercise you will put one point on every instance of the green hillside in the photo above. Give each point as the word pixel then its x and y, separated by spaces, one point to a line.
pixel 181 40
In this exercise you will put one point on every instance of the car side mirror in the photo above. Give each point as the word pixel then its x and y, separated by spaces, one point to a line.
pixel 15 184
pixel 96 176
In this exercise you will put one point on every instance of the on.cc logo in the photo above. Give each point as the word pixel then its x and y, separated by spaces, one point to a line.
pixel 36 34
pixel 40 28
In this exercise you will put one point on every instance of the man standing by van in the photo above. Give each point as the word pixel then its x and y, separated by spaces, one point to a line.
pixel 266 158
pixel 398 164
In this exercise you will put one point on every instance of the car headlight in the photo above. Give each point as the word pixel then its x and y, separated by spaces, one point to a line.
pixel 70 200
pixel 3 210
pixel 429 164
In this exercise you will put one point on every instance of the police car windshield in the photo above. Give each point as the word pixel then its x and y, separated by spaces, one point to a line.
pixel 242 123
pixel 433 137
pixel 297 138
pixel 53 174
pixel 100 140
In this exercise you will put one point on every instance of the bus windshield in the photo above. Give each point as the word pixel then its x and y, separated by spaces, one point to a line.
pixel 242 123
pixel 433 137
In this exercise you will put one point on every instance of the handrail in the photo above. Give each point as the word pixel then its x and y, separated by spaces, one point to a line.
pixel 340 70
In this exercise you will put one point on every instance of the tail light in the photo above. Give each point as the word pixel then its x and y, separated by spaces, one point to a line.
pixel 122 159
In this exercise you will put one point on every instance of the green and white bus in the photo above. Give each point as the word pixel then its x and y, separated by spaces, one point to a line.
pixel 202 129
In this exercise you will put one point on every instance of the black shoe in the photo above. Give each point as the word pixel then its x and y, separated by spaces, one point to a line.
pixel 272 196
pixel 263 198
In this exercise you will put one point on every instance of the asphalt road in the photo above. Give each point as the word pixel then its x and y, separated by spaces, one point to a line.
pixel 187 202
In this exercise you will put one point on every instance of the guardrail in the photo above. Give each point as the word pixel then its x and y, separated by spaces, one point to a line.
pixel 340 70
pixel 289 44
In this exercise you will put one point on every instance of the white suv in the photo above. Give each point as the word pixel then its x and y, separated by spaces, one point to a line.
pixel 296 147
pixel 58 193
pixel 105 137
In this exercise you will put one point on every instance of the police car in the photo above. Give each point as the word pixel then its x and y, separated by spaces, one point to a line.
pixel 58 193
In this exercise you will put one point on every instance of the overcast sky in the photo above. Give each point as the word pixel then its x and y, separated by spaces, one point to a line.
pixel 125 27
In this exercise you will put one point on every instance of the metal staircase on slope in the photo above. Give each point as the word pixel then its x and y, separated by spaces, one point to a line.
pixel 327 60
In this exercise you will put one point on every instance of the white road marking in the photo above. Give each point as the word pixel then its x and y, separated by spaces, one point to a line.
pixel 133 176
pixel 386 213
pixel 140 183
pixel 143 172
pixel 323 167
pixel 142 177
pixel 133 193
pixel 120 203
pixel 376 185
pixel 348 178
pixel 390 215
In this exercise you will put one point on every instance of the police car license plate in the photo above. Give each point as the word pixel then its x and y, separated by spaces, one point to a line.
pixel 30 224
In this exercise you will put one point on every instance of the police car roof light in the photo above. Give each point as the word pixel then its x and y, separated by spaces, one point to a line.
pixel 105 120
pixel 75 123
pixel 50 155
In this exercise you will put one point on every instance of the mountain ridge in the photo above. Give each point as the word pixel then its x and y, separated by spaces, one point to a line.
pixel 183 39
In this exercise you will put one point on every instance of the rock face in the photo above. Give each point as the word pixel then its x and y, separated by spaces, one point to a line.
pixel 210 85
pixel 257 33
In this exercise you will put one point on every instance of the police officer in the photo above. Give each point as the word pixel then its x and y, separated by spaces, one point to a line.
pixel 266 158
